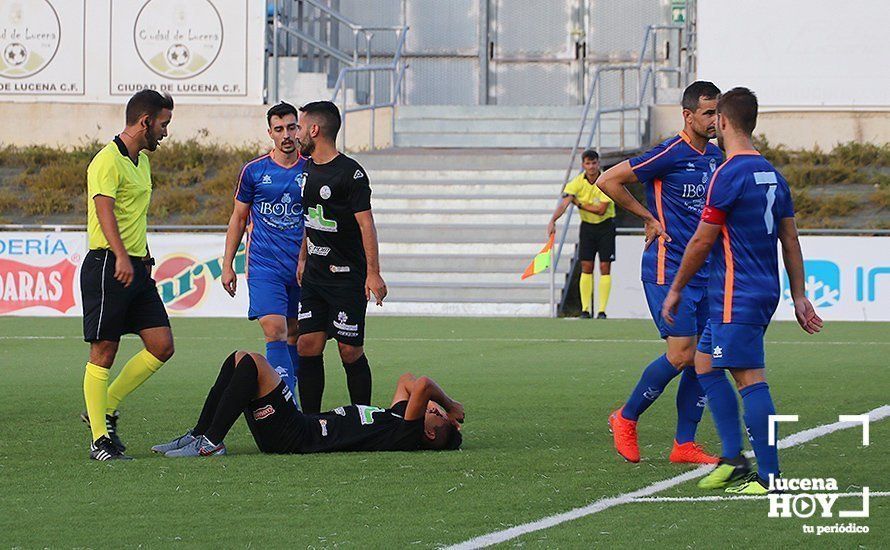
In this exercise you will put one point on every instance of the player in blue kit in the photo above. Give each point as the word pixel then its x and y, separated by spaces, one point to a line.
pixel 747 211
pixel 675 175
pixel 268 206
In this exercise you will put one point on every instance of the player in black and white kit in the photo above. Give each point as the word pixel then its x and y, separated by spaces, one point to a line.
pixel 422 416
pixel 338 269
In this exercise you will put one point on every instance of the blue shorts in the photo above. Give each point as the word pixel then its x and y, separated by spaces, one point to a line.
pixel 733 345
pixel 692 311
pixel 272 297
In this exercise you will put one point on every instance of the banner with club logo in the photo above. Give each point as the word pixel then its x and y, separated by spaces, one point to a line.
pixel 42 47
pixel 847 278
pixel 104 51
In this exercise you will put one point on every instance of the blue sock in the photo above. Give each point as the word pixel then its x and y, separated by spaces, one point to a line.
pixel 690 405
pixel 295 361
pixel 724 410
pixel 279 358
pixel 653 381
pixel 758 406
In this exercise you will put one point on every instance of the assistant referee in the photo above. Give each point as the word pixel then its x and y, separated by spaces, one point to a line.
pixel 597 231
pixel 119 296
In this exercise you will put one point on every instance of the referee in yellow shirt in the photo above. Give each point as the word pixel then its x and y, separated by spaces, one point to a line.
pixel 597 231
pixel 119 296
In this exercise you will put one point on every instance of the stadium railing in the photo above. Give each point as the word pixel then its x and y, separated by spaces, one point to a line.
pixel 646 70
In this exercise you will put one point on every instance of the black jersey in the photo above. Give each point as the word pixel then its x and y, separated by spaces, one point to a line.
pixel 361 428
pixel 332 194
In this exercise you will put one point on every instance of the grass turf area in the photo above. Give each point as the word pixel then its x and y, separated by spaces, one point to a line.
pixel 537 393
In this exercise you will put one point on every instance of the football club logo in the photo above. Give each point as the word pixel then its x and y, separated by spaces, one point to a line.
pixel 177 38
pixel 29 37
pixel 712 164
pixel 325 192
pixel 822 283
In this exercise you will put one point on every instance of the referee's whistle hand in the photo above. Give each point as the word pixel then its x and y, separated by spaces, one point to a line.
pixel 229 281
pixel 123 270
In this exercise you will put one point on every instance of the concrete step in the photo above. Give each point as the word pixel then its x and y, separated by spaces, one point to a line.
pixel 448 217
pixel 503 203
pixel 506 233
pixel 488 126
pixel 501 140
pixel 423 188
pixel 459 309
pixel 491 175
pixel 429 292
pixel 494 112
pixel 524 250
pixel 400 278
pixel 495 262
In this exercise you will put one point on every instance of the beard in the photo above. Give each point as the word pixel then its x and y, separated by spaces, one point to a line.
pixel 307 147
pixel 151 141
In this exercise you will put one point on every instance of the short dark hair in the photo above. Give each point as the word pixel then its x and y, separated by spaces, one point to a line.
pixel 147 102
pixel 739 105
pixel 697 90
pixel 280 110
pixel 328 117
pixel 590 154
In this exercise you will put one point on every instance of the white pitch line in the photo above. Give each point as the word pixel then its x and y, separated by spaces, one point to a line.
pixel 716 498
pixel 495 340
pixel 595 507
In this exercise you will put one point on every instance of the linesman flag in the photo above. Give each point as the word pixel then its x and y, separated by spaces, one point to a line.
pixel 541 261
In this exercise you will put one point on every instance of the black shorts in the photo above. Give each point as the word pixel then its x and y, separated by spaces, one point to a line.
pixel 276 423
pixel 597 239
pixel 338 310
pixel 109 308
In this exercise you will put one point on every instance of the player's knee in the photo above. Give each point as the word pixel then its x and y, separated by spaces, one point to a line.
pixel 350 354
pixel 102 353
pixel 606 268
pixel 164 351
pixel 681 358
pixel 586 267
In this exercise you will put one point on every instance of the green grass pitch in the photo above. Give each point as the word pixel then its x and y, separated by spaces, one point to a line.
pixel 537 394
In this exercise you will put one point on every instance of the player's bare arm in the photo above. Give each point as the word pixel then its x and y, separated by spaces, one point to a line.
pixel 693 258
pixel 301 262
pixel 793 259
pixel 374 282
pixel 560 210
pixel 234 234
pixel 123 267
pixel 613 183
pixel 421 391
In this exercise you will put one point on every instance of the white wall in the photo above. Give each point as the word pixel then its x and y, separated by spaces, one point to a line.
pixel 794 53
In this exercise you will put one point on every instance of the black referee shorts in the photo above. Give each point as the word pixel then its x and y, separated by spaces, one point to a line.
pixel 339 310
pixel 597 239
pixel 109 308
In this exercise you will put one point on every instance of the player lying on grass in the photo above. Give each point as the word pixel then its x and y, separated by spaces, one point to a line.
pixel 421 417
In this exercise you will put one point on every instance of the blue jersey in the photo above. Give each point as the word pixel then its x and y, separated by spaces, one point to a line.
pixel 275 225
pixel 748 197
pixel 675 175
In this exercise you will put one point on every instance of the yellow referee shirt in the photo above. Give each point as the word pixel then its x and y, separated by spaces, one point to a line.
pixel 113 174
pixel 589 193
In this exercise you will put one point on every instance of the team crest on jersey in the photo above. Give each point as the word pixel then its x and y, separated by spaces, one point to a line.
pixel 340 411
pixel 358 174
pixel 300 179
pixel 267 179
pixel 325 192
pixel 712 164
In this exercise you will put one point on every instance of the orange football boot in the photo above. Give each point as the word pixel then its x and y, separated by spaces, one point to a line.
pixel 691 453
pixel 624 434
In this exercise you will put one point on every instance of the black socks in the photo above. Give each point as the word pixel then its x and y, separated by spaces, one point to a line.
pixel 216 392
pixel 310 380
pixel 242 389
pixel 358 381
